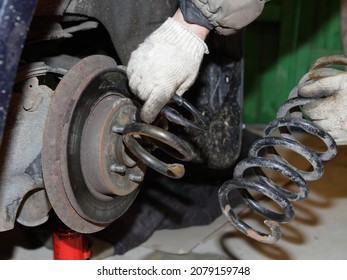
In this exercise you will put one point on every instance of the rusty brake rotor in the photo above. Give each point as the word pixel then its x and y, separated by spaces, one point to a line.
pixel 89 177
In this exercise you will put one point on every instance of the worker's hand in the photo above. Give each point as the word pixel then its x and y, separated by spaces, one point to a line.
pixel 331 112
pixel 167 62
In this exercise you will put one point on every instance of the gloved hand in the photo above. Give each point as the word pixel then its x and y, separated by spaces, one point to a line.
pixel 167 62
pixel 331 112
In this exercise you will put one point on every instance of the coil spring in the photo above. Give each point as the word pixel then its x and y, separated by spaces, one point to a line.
pixel 263 155
pixel 164 140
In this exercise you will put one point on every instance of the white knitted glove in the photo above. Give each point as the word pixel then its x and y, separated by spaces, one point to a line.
pixel 167 62
pixel 331 112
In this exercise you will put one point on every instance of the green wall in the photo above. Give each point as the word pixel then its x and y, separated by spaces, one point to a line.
pixel 280 46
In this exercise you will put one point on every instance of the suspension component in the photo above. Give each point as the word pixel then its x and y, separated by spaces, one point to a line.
pixel 173 170
pixel 173 116
pixel 263 154
pixel 164 140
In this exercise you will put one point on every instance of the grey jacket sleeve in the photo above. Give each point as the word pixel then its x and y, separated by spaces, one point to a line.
pixel 192 14
pixel 228 16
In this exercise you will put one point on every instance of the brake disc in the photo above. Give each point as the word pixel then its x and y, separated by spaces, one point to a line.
pixel 89 177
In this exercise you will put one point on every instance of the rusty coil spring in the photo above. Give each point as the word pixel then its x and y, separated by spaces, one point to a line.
pixel 164 140
pixel 263 155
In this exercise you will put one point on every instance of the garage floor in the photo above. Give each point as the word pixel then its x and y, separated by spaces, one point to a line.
pixel 317 232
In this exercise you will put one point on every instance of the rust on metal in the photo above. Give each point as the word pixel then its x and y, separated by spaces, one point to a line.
pixel 185 151
pixel 329 60
pixel 77 203
pixel 271 238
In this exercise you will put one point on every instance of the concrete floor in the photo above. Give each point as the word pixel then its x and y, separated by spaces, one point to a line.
pixel 317 232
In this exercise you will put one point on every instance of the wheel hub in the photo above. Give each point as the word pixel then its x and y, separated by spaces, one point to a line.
pixel 107 168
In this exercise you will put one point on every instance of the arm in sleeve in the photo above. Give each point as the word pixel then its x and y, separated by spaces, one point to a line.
pixel 225 16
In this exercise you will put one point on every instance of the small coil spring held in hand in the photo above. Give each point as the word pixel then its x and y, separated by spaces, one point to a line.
pixel 263 155
pixel 169 143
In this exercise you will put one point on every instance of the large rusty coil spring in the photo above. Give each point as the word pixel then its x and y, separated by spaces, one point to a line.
pixel 263 155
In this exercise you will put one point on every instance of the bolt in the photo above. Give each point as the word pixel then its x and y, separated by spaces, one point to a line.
pixel 135 178
pixel 117 168
pixel 117 128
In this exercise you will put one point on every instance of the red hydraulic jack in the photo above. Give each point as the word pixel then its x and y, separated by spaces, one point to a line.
pixel 70 245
